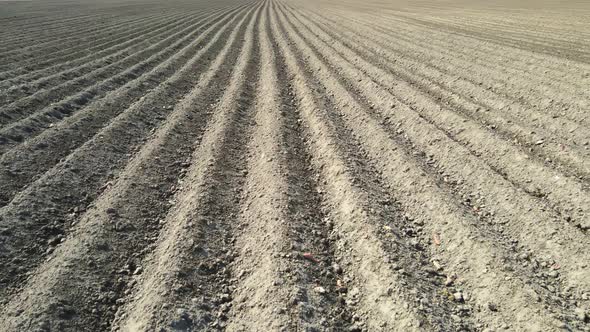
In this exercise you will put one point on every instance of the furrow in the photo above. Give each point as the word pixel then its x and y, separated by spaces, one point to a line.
pixel 84 25
pixel 520 31
pixel 541 21
pixel 40 27
pixel 29 127
pixel 190 264
pixel 487 56
pixel 294 165
pixel 29 72
pixel 374 284
pixel 498 198
pixel 63 57
pixel 522 27
pixel 42 23
pixel 24 18
pixel 450 61
pixel 263 284
pixel 29 36
pixel 24 163
pixel 511 166
pixel 517 24
pixel 280 221
pixel 35 85
pixel 110 70
pixel 484 98
pixel 34 40
pixel 75 182
pixel 499 40
pixel 555 66
pixel 49 34
pixel 569 158
pixel 569 88
pixel 24 26
pixel 21 56
pixel 574 55
pixel 112 237
pixel 467 251
pixel 515 31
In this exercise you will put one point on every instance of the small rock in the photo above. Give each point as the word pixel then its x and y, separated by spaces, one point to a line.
pixel 354 292
pixel 221 315
pixel 492 306
pixel 183 322
pixel 123 226
pixel 450 279
pixel 44 325
pixel 336 268
pixel 465 297
pixel 224 298
pixel 341 287
pixel 458 296
pixel 437 265
pixel 581 315
pixel 539 142
pixel 53 241
pixel 320 290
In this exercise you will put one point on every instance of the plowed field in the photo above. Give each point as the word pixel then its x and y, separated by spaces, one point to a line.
pixel 295 165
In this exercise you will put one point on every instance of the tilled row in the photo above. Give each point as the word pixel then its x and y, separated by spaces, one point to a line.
pixel 65 190
pixel 509 160
pixel 55 62
pixel 343 91
pixel 538 44
pixel 47 17
pixel 56 87
pixel 268 168
pixel 376 270
pixel 18 37
pixel 120 227
pixel 102 43
pixel 28 161
pixel 562 113
pixel 76 87
pixel 472 66
pixel 484 56
pixel 26 56
pixel 49 29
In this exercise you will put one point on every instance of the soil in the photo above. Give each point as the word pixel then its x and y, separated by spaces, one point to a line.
pixel 295 165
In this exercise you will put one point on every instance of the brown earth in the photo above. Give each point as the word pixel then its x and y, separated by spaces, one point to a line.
pixel 295 165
